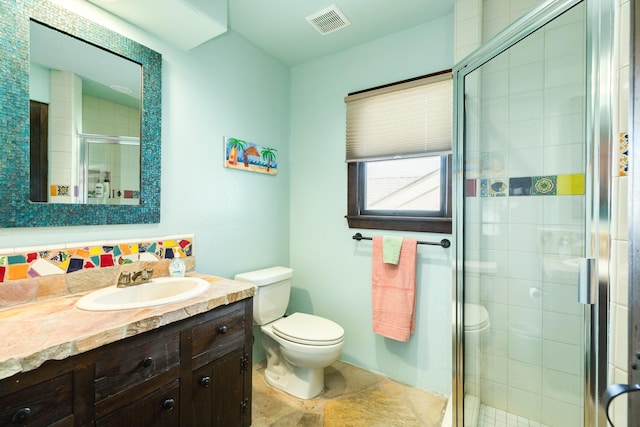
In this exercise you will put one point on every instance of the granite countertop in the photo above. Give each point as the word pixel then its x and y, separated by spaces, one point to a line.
pixel 55 329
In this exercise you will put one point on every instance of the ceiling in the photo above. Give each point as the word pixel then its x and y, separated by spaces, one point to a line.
pixel 278 27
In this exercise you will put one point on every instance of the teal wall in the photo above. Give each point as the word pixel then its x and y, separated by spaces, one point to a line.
pixel 243 221
pixel 332 272
pixel 225 87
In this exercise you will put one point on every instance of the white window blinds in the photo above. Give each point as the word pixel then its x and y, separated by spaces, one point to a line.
pixel 407 119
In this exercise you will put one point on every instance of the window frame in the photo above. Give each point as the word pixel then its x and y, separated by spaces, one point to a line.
pixel 358 218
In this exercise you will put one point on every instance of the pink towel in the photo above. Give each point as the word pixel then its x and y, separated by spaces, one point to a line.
pixel 394 291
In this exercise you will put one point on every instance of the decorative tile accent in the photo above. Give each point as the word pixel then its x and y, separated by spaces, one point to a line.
pixel 572 184
pixel 520 186
pixel 470 188
pixel 498 187
pixel 623 154
pixel 561 185
pixel 544 185
pixel 484 188
pixel 45 262
pixel 63 190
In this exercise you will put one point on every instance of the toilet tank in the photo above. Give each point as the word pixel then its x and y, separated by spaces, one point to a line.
pixel 273 288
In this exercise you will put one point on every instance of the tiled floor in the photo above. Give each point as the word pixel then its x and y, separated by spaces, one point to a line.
pixel 352 397
pixel 492 417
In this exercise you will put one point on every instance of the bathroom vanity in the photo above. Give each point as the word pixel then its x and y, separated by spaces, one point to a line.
pixel 185 364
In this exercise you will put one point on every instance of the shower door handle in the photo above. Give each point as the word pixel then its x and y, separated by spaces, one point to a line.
pixel 613 391
pixel 587 281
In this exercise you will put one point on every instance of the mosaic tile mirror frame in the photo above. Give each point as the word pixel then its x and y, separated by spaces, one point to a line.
pixel 16 210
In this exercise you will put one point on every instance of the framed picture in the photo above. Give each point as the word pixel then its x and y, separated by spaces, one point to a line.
pixel 239 154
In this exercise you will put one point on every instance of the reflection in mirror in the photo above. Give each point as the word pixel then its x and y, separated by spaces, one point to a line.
pixel 85 121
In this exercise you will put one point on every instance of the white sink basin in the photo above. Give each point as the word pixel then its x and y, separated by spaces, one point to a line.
pixel 162 290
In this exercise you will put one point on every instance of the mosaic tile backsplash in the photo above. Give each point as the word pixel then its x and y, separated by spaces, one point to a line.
pixel 23 263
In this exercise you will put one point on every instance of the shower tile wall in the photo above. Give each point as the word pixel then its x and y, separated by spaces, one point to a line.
pixel 618 359
pixel 66 95
pixel 525 140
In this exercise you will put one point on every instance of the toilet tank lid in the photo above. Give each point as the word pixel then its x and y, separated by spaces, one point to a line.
pixel 265 276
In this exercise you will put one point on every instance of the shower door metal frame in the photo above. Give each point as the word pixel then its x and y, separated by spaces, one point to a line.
pixel 598 133
pixel 633 408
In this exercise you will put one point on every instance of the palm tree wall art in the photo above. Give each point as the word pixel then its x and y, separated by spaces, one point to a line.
pixel 244 155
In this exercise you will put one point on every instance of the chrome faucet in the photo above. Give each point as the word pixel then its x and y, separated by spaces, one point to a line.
pixel 132 278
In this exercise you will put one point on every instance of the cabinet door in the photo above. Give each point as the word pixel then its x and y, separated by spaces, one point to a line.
pixel 42 404
pixel 219 398
pixel 158 409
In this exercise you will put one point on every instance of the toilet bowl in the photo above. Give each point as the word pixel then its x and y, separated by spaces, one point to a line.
pixel 296 357
pixel 298 346
pixel 476 333
pixel 476 319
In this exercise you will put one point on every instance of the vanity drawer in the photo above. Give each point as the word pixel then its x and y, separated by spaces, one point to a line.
pixel 135 361
pixel 41 404
pixel 218 335
pixel 160 408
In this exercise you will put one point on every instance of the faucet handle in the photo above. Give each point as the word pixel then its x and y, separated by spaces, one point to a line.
pixel 147 273
pixel 125 277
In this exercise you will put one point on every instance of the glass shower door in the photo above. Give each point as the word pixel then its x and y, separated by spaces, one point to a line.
pixel 524 227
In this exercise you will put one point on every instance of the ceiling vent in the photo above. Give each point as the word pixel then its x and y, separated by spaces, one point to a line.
pixel 328 20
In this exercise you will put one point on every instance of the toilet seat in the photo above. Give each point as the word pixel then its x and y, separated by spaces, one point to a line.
pixel 476 317
pixel 308 329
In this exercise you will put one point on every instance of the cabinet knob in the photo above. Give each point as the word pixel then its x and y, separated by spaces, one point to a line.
pixel 21 416
pixel 147 361
pixel 205 381
pixel 223 329
pixel 168 404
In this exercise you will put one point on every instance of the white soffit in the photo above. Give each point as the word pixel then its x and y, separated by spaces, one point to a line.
pixel 182 23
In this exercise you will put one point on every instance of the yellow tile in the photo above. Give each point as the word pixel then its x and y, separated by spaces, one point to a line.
pixel 64 264
pixel 53 190
pixel 571 184
pixel 95 250
pixel 134 248
pixel 170 243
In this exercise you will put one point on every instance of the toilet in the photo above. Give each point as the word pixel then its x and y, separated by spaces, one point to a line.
pixel 476 333
pixel 298 346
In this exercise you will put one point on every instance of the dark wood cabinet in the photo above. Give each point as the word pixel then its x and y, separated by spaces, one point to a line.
pixel 160 408
pixel 47 402
pixel 221 366
pixel 196 372
pixel 218 393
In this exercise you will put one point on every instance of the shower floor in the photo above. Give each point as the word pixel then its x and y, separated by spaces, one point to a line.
pixel 492 417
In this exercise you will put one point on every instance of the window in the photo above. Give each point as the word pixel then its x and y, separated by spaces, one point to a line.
pixel 398 152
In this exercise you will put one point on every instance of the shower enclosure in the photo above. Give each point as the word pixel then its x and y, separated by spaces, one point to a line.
pixel 531 166
pixel 108 169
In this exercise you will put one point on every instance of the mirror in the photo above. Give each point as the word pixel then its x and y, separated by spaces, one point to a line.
pixel 85 121
pixel 142 205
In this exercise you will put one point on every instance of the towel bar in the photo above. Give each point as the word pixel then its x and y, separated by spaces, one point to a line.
pixel 445 243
